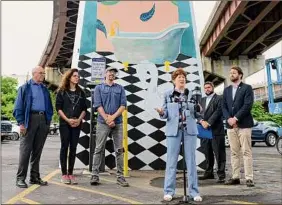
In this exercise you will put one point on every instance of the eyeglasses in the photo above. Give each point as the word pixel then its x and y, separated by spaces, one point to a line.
pixel 41 73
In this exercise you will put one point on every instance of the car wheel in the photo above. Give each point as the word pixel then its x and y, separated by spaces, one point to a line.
pixel 227 144
pixel 15 136
pixel 270 140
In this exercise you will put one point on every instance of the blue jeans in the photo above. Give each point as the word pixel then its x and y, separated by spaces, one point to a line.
pixel 173 148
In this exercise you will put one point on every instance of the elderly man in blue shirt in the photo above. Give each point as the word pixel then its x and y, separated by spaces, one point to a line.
pixel 33 111
pixel 110 102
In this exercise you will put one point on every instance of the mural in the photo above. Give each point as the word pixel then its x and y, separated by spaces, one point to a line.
pixel 146 41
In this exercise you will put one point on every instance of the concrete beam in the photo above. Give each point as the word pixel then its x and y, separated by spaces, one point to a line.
pixel 222 67
pixel 251 26
pixel 262 37
pixel 53 76
pixel 224 23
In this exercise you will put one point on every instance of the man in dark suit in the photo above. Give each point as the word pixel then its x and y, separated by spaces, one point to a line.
pixel 211 116
pixel 238 100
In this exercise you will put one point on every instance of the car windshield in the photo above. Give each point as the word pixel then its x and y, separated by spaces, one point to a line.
pixel 4 118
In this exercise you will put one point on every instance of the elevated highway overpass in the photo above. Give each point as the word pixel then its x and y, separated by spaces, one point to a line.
pixel 237 33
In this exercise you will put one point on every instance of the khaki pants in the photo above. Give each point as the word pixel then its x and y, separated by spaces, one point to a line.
pixel 241 138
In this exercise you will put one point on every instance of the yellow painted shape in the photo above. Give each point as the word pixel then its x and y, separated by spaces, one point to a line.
pixel 167 64
pixel 28 201
pixel 125 64
pixel 98 192
pixel 240 202
pixel 125 143
pixel 30 189
pixel 115 25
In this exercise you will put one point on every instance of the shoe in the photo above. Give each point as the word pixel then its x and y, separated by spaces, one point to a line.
pixel 206 176
pixel 21 183
pixel 197 198
pixel 121 181
pixel 65 179
pixel 232 181
pixel 250 183
pixel 38 181
pixel 220 181
pixel 167 197
pixel 94 180
pixel 72 179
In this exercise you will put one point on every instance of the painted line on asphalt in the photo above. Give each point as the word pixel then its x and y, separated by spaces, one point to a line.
pixel 28 201
pixel 30 189
pixel 97 192
pixel 240 202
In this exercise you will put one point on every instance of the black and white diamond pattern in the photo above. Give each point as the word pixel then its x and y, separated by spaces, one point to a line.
pixel 146 139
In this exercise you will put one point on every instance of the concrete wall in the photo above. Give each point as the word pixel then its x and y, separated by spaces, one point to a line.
pixel 222 67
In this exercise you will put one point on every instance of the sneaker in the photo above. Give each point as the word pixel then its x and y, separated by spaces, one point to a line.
pixel 167 197
pixel 250 183
pixel 73 179
pixel 121 181
pixel 94 181
pixel 65 179
pixel 232 181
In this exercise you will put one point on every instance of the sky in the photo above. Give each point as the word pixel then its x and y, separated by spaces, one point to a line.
pixel 26 29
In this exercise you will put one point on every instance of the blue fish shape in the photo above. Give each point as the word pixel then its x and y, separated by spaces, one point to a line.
pixel 100 26
pixel 148 15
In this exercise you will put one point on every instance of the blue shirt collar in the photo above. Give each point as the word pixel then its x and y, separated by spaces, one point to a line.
pixel 34 83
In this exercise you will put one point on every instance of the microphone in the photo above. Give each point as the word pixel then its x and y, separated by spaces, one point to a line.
pixel 186 92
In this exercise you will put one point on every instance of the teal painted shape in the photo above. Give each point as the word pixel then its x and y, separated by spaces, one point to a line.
pixel 188 40
pixel 88 36
pixel 148 15
pixel 109 3
pixel 100 26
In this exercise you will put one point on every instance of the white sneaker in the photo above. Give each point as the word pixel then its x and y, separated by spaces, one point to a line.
pixel 197 198
pixel 167 197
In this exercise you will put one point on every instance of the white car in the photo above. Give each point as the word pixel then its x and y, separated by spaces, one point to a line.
pixel 15 131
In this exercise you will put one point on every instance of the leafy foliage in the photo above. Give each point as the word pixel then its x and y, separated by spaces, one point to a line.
pixel 260 114
pixel 8 96
pixel 53 99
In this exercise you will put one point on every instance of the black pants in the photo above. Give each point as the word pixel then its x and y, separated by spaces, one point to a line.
pixel 215 146
pixel 69 140
pixel 31 146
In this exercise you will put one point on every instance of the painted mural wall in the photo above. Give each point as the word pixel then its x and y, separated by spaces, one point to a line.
pixel 146 41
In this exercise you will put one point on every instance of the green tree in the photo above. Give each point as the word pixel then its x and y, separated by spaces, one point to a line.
pixel 8 96
pixel 260 114
pixel 53 99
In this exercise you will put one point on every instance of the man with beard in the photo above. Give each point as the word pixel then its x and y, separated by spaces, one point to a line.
pixel 110 102
pixel 238 100
pixel 211 116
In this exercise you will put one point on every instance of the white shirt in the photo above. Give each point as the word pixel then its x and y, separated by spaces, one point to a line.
pixel 208 99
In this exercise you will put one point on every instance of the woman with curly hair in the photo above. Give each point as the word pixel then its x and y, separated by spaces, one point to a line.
pixel 71 107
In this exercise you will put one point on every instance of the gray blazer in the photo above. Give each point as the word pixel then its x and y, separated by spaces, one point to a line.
pixel 171 113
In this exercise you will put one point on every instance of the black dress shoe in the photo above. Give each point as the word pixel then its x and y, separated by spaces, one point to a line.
pixel 210 176
pixel 21 183
pixel 38 181
pixel 232 182
pixel 250 183
pixel 220 180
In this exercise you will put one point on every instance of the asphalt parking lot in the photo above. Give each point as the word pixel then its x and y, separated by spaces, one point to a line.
pixel 145 186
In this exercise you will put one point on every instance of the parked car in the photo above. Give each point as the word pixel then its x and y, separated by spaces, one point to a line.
pixel 6 128
pixel 264 131
pixel 54 129
pixel 15 131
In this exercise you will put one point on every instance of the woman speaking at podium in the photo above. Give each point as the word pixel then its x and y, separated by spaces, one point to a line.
pixel 179 109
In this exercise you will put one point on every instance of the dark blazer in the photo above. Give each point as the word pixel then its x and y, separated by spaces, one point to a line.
pixel 240 107
pixel 213 114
